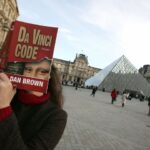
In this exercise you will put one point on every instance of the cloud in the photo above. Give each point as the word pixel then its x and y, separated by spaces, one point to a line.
pixel 125 22
pixel 113 14
pixel 135 40
pixel 29 15
pixel 68 34
pixel 65 30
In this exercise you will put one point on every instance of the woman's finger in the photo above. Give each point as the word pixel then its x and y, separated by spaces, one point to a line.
pixel 4 77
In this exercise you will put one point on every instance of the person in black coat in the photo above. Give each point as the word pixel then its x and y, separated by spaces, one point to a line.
pixel 31 120
pixel 94 89
pixel 149 106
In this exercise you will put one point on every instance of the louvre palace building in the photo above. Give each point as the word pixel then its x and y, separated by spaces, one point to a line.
pixel 8 13
pixel 77 71
pixel 145 71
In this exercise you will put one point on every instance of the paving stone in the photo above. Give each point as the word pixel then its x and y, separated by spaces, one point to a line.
pixel 95 124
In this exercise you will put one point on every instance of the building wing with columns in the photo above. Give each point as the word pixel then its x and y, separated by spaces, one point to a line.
pixel 75 72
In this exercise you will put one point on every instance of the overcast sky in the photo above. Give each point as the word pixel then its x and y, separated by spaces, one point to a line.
pixel 103 30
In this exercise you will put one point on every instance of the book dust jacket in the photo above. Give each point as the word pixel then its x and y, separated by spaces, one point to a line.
pixel 27 43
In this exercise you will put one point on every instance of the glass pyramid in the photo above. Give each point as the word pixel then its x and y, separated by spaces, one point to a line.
pixel 121 75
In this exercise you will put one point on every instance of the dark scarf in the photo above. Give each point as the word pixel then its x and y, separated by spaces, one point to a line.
pixel 31 99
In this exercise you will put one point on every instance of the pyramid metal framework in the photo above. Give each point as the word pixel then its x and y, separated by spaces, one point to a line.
pixel 120 74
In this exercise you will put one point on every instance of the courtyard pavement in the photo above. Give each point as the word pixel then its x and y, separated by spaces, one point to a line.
pixel 95 124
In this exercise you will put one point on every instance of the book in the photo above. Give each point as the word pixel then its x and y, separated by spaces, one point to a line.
pixel 27 43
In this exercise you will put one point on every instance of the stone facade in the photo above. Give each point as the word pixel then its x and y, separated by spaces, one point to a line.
pixel 8 13
pixel 145 71
pixel 75 72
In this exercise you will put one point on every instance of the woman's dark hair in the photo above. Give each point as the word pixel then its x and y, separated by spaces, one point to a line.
pixel 55 87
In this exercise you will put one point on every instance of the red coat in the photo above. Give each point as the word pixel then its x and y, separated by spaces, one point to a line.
pixel 114 94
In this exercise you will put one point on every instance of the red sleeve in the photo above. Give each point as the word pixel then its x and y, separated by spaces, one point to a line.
pixel 5 112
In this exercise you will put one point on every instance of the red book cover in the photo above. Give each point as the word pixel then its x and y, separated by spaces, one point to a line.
pixel 27 43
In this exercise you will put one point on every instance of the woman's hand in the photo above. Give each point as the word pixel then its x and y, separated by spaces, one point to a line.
pixel 7 91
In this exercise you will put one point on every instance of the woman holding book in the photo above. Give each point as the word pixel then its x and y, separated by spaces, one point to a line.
pixel 31 120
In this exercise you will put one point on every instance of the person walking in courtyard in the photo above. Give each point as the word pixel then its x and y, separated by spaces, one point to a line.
pixel 76 85
pixel 94 89
pixel 148 106
pixel 124 98
pixel 113 95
